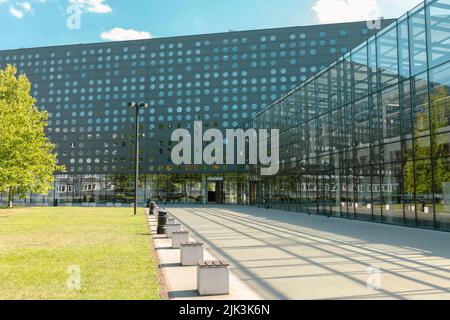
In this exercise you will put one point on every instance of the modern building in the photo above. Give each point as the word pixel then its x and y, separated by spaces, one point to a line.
pixel 222 79
pixel 369 137
pixel 363 115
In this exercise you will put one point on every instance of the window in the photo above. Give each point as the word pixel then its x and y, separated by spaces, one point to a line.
pixel 417 35
pixel 439 24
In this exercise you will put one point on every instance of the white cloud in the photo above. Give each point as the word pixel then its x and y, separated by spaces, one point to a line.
pixel 331 11
pixel 120 34
pixel 25 6
pixel 15 12
pixel 93 6
pixel 397 8
pixel 19 9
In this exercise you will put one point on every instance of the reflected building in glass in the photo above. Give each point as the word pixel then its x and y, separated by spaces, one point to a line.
pixel 369 137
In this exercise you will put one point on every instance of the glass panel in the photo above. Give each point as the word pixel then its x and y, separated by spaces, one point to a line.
pixel 334 87
pixel 422 147
pixel 420 105
pixel 442 193
pixel 334 134
pixel 441 145
pixel 376 194
pixel 336 191
pixel 408 193
pixel 362 123
pixel 311 185
pixel 392 152
pixel 360 71
pixel 373 66
pixel 403 46
pixel 439 25
pixel 363 197
pixel 362 157
pixel 440 99
pixel 323 180
pixel 405 102
pixel 312 138
pixel 348 84
pixel 323 131
pixel 390 113
pixel 417 35
pixel 375 136
pixel 322 95
pixel 392 193
pixel 424 194
pixel 388 58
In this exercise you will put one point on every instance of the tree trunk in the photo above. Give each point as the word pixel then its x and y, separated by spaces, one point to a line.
pixel 10 197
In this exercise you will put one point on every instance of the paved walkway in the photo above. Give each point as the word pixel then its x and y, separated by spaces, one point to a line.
pixel 181 281
pixel 284 255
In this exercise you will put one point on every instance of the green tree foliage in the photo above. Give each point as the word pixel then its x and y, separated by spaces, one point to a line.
pixel 27 161
pixel 423 175
pixel 440 104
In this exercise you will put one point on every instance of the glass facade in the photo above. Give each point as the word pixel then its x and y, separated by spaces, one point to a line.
pixel 118 190
pixel 369 137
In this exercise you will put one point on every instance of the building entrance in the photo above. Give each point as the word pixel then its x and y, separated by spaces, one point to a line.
pixel 215 192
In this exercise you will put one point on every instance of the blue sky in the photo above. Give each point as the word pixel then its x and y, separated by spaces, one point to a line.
pixel 32 23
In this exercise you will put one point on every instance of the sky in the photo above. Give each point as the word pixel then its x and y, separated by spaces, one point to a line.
pixel 36 23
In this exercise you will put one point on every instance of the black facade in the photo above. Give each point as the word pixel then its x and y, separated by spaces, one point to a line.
pixel 221 79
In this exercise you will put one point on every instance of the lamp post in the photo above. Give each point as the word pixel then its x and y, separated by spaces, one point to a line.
pixel 138 107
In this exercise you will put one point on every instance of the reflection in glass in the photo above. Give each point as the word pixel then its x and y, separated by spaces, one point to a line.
pixel 382 151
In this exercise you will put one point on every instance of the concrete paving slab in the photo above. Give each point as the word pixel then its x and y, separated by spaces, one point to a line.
pixel 181 280
pixel 284 255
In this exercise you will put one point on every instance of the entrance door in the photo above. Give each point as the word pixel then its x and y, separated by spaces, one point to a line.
pixel 215 192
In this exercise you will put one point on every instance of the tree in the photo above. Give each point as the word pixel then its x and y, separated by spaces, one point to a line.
pixel 439 119
pixel 27 161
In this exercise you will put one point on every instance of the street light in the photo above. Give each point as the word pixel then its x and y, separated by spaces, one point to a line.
pixel 138 107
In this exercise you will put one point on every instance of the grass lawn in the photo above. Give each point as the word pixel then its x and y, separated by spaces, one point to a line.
pixel 111 247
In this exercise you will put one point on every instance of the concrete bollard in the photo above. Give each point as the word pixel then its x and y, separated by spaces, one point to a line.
pixel 191 253
pixel 179 237
pixel 171 228
pixel 152 207
pixel 213 278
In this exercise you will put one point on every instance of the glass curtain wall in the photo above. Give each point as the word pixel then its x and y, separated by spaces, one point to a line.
pixel 118 190
pixel 369 137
